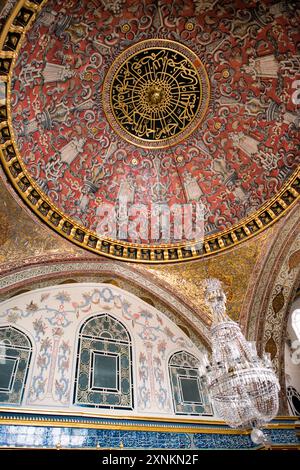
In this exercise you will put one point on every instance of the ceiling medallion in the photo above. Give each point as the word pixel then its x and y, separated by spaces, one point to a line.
pixel 156 93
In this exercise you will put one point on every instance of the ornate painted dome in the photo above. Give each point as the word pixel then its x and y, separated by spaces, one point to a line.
pixel 153 106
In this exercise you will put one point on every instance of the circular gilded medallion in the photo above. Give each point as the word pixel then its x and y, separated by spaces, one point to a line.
pixel 156 93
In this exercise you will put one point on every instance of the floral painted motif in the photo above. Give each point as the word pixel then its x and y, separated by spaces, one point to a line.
pixel 144 389
pixel 39 381
pixel 39 327
pixel 162 396
pixel 54 318
pixel 62 384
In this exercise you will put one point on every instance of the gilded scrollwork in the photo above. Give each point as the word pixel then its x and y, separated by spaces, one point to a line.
pixel 156 93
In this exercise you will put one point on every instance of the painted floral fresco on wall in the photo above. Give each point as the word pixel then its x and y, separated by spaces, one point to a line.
pixel 52 317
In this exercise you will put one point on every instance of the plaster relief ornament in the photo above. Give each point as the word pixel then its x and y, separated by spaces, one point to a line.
pixel 70 151
pixel 56 73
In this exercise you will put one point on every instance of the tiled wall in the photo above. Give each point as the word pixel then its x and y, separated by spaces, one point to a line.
pixel 64 437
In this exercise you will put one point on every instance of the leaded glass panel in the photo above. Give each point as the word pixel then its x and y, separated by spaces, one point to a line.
pixel 190 390
pixel 105 371
pixel 15 355
pixel 7 369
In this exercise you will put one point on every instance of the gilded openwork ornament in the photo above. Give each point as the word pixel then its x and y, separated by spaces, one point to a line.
pixel 156 93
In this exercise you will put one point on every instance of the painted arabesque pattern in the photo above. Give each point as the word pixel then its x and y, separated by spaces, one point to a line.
pixel 52 318
pixel 237 159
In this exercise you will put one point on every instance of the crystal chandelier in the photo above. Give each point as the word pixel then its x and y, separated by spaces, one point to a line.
pixel 243 388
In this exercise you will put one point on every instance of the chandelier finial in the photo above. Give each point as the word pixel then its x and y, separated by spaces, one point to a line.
pixel 215 299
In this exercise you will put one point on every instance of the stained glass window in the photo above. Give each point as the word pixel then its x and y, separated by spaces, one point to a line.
pixel 189 394
pixel 15 355
pixel 104 364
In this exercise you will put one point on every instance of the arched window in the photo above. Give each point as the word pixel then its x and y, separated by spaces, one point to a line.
pixel 189 395
pixel 296 322
pixel 15 355
pixel 104 365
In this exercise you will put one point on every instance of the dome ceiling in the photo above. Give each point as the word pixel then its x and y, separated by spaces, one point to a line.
pixel 155 104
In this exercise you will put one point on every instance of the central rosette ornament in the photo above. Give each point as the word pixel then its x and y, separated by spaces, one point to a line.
pixel 156 93
pixel 155 97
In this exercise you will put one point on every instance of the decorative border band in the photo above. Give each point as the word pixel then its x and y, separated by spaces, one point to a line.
pixel 35 418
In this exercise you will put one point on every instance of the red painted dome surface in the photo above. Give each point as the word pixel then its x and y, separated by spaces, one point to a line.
pixel 239 156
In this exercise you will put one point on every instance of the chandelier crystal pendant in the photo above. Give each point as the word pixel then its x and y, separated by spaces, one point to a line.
pixel 242 386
